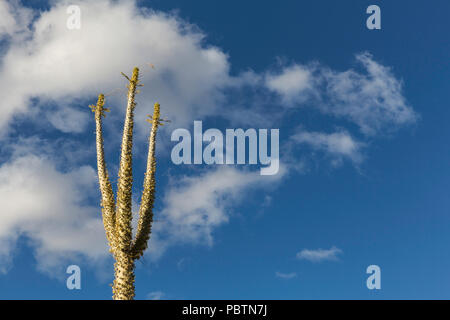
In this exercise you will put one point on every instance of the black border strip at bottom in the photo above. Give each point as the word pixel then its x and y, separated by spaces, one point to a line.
pixel 227 309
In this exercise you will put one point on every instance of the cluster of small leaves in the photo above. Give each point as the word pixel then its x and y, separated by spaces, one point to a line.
pixel 99 108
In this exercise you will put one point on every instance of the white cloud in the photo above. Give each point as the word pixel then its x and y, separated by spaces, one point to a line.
pixel 285 275
pixel 48 208
pixel 155 295
pixel 337 144
pixel 372 99
pixel 64 153
pixel 115 36
pixel 69 119
pixel 14 19
pixel 319 255
pixel 291 84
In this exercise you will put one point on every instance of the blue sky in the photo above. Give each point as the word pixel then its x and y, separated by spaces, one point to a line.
pixel 363 144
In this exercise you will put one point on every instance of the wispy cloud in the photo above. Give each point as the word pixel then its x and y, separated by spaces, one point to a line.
pixel 155 295
pixel 186 79
pixel 285 275
pixel 338 144
pixel 319 255
pixel 371 98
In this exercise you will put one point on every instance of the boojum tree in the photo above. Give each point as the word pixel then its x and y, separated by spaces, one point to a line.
pixel 117 216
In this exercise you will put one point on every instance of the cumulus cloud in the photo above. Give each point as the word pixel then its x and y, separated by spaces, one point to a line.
pixel 114 36
pixel 285 275
pixel 338 144
pixel 48 208
pixel 319 255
